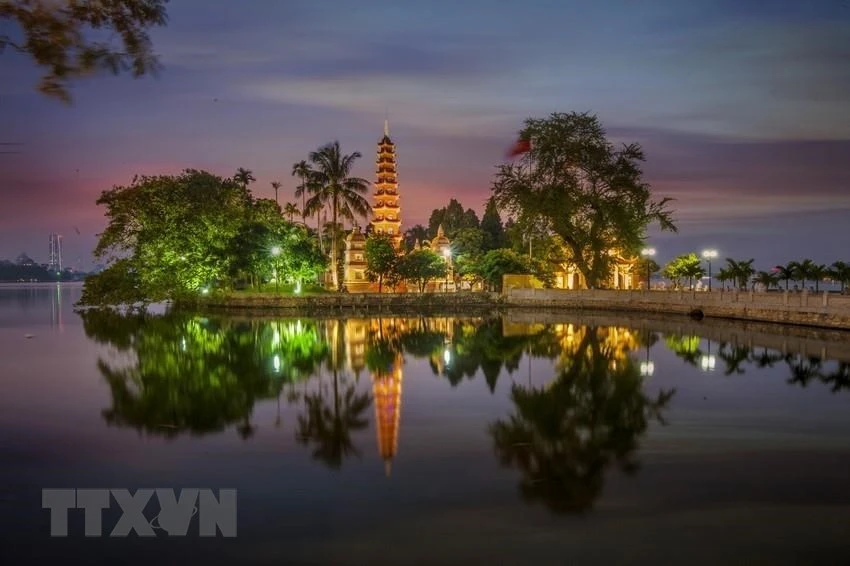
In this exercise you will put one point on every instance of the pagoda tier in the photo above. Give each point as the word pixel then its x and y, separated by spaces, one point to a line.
pixel 387 211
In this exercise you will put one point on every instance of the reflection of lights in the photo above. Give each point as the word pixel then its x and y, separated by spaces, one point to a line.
pixel 183 344
pixel 298 287
pixel 205 291
pixel 275 338
pixel 447 356
pixel 707 362
pixel 276 363
pixel 647 369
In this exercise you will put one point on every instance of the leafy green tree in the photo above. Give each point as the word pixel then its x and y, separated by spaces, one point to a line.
pixel 575 184
pixel 453 218
pixel 57 35
pixel 174 233
pixel 495 264
pixel 421 267
pixel 336 189
pixel 301 259
pixel 686 266
pixel 381 258
pixel 563 437
pixel 491 225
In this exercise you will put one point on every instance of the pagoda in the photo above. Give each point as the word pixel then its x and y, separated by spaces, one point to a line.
pixel 387 213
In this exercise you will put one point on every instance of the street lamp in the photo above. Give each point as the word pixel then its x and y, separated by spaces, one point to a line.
pixel 647 253
pixel 276 253
pixel 709 255
pixel 447 253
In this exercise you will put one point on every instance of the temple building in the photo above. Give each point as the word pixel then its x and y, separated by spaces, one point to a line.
pixel 623 275
pixel 387 212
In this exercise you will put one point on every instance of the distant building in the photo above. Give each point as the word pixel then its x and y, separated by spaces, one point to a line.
pixel 54 255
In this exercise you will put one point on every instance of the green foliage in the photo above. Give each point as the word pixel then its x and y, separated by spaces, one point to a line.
pixel 686 266
pixel 381 258
pixel 840 272
pixel 575 184
pixel 56 36
pixel 172 236
pixel 497 263
pixel 453 219
pixel 333 186
pixel 421 267
pixel 491 225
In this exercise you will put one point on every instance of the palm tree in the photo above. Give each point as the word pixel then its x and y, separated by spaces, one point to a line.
pixel 291 209
pixel 840 271
pixel 244 176
pixel 767 279
pixel 742 271
pixel 276 186
pixel 337 189
pixel 303 171
pixel 724 274
pixel 818 273
pixel 784 273
pixel 803 270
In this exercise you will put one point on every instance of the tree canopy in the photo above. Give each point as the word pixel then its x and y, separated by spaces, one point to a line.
pixel 574 183
pixel 61 38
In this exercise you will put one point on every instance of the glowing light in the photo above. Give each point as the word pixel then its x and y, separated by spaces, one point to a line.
pixel 647 368
pixel 276 250
pixel 276 363
pixel 707 363
pixel 447 356
pixel 183 344
pixel 298 288
pixel 205 291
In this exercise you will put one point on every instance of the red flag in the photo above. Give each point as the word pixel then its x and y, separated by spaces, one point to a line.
pixel 521 146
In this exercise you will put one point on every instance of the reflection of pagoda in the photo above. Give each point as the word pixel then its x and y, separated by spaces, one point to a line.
pixel 386 389
pixel 387 219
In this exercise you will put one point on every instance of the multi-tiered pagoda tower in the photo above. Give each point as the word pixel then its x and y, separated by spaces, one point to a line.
pixel 387 219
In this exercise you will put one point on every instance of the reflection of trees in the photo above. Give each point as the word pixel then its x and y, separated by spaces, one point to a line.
pixel 737 358
pixel 328 426
pixel 183 373
pixel 564 436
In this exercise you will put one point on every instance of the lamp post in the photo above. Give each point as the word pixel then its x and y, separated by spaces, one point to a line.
pixel 447 253
pixel 709 255
pixel 647 253
pixel 276 253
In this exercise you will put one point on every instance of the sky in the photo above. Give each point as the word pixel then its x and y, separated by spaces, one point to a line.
pixel 742 107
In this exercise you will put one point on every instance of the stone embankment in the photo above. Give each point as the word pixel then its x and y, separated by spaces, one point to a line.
pixel 824 310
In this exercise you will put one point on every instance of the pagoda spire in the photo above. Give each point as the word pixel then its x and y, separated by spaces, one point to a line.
pixel 387 127
pixel 386 210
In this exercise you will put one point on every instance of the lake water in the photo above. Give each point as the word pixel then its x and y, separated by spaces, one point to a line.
pixel 585 440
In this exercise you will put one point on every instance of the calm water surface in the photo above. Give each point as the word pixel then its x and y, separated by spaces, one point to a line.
pixel 585 440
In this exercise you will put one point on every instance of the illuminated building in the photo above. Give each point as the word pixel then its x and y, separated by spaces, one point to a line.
pixel 386 390
pixel 387 212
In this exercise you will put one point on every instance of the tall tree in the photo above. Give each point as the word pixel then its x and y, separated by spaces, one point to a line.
pixel 453 218
pixel 381 259
pixel 337 189
pixel 290 209
pixel 416 233
pixel 303 171
pixel 742 271
pixel 244 177
pixel 840 271
pixel 57 35
pixel 574 183
pixel 276 186
pixel 491 224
